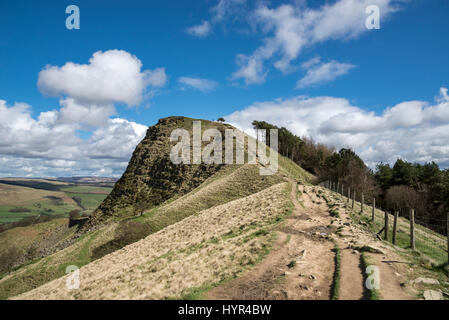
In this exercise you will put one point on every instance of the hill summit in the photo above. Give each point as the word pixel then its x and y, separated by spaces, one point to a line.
pixel 151 178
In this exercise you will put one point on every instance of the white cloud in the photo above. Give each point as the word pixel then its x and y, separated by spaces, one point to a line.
pixel 117 140
pixel 198 83
pixel 219 12
pixel 320 73
pixel 311 62
pixel 412 130
pixel 50 144
pixel 112 76
pixel 225 8
pixel 156 78
pixel 51 147
pixel 92 115
pixel 251 69
pixel 289 29
pixel 201 30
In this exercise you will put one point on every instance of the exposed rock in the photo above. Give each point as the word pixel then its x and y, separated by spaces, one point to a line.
pixel 151 178
pixel 368 248
pixel 433 295
pixel 301 255
pixel 426 281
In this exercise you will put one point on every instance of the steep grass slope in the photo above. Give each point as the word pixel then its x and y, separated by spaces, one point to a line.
pixel 202 249
pixel 228 183
pixel 151 178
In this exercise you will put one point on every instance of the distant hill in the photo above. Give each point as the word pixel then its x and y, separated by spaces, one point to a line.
pixel 151 178
pixel 99 181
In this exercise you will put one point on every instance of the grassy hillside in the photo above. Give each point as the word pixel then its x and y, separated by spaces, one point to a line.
pixel 230 184
pixel 151 178
pixel 17 202
pixel 213 246
pixel 26 198
pixel 24 237
pixel 219 185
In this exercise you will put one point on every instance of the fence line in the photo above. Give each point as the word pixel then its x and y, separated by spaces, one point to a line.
pixel 409 233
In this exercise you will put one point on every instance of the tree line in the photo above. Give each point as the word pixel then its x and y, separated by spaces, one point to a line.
pixel 405 185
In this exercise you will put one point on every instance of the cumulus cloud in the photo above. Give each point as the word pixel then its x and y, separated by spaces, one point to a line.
pixel 92 115
pixel 51 144
pixel 197 83
pixel 412 130
pixel 113 76
pixel 291 28
pixel 320 73
pixel 47 146
pixel 120 136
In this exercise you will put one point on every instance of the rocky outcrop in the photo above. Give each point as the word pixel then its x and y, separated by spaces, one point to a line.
pixel 151 178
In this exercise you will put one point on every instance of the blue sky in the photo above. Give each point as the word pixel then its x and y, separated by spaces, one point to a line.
pixel 366 75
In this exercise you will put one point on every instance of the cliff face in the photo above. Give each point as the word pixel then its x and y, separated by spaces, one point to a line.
pixel 151 178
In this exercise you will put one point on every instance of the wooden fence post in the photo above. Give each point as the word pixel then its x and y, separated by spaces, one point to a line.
pixel 374 209
pixel 395 225
pixel 386 226
pixel 338 186
pixel 412 229
pixel 353 198
pixel 349 194
pixel 361 203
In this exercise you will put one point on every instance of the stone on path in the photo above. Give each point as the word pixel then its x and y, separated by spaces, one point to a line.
pixel 433 295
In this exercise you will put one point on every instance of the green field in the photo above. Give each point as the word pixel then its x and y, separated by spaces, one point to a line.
pixel 47 198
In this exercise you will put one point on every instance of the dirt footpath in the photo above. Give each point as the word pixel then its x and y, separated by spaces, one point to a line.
pixel 301 263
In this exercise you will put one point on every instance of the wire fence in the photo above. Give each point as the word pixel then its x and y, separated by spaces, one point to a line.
pixel 401 227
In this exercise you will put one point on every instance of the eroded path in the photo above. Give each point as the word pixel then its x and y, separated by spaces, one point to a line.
pixel 351 278
pixel 350 239
pixel 301 263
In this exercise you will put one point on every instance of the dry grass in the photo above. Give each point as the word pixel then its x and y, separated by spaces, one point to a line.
pixel 205 248
pixel 23 237
pixel 46 269
pixel 237 182
pixel 230 183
